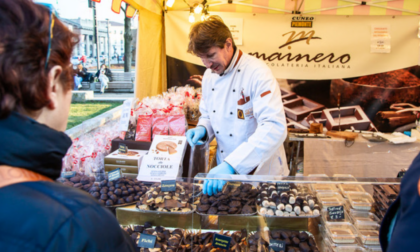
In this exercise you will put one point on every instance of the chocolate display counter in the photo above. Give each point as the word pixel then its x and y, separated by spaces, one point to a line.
pixel 258 213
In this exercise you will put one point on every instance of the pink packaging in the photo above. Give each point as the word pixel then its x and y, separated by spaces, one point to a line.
pixel 160 125
pixel 144 128
pixel 176 125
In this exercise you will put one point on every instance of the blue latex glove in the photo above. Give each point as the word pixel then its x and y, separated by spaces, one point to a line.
pixel 194 135
pixel 212 186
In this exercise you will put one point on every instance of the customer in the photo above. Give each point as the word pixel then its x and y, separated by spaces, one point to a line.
pixel 82 72
pixel 104 76
pixel 37 213
pixel 400 227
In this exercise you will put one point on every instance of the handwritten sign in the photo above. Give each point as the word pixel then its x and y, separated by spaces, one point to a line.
pixel 68 175
pixel 221 241
pixel 168 185
pixel 283 187
pixel 146 241
pixel 122 148
pixel 277 245
pixel 114 174
pixel 336 212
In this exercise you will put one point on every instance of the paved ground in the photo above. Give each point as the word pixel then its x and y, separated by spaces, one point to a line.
pixel 112 96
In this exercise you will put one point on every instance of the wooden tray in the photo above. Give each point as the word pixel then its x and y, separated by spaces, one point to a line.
pixel 289 98
pixel 314 117
pixel 294 125
pixel 352 116
pixel 286 93
pixel 299 108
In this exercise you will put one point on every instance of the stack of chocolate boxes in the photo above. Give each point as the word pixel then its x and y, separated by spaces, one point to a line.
pixel 129 162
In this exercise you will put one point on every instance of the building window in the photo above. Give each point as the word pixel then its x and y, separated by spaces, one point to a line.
pixel 121 32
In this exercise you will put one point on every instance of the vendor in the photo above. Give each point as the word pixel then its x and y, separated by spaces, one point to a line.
pixel 241 106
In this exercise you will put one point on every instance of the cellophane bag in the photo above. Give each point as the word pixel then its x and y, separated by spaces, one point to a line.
pixel 160 124
pixel 144 125
pixel 176 121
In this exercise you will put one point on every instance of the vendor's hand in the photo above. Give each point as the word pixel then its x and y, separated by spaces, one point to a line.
pixel 194 135
pixel 213 186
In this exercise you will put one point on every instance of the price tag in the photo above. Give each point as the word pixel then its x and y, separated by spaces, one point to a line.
pixel 221 241
pixel 283 187
pixel 146 241
pixel 122 148
pixel 114 174
pixel 277 245
pixel 401 174
pixel 68 175
pixel 168 185
pixel 336 212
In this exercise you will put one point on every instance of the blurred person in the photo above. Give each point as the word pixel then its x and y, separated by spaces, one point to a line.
pixel 104 77
pixel 37 213
pixel 82 72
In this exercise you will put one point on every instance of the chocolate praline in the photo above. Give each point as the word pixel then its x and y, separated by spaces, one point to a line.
pixel 203 208
pixel 104 190
pixel 130 190
pixel 121 201
pixel 212 210
pixel 109 203
pixel 96 195
pixel 117 192
pixel 104 197
pixel 101 202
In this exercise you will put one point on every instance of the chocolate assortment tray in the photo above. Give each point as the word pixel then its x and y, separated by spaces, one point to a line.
pixel 179 201
pixel 286 200
pixel 233 200
pixel 346 118
pixel 299 108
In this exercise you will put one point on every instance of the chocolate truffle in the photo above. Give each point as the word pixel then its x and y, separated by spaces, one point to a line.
pixel 96 195
pixel 104 183
pixel 124 193
pixel 123 188
pixel 78 185
pixel 112 188
pixel 110 193
pixel 212 210
pixel 109 203
pixel 104 190
pixel 303 246
pixel 247 210
pixel 120 201
pixel 235 204
pixel 203 208
pixel 130 190
pixel 75 179
pixel 118 192
pixel 295 240
pixel 303 236
pixel 68 184
pixel 129 199
pixel 101 202
pixel 113 197
pixel 223 208
pixel 84 180
pixel 104 197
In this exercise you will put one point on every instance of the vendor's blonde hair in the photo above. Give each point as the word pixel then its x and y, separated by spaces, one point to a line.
pixel 206 34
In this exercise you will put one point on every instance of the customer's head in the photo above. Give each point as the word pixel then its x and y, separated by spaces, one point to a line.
pixel 29 83
pixel 212 41
pixel 80 66
pixel 103 66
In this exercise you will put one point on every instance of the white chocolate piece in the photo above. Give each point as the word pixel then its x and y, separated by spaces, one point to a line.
pixel 265 203
pixel 297 210
pixel 316 212
pixel 289 208
pixel 263 211
pixel 292 200
pixel 306 209
pixel 279 213
pixel 272 205
pixel 280 207
pixel 286 214
pixel 292 213
pixel 270 212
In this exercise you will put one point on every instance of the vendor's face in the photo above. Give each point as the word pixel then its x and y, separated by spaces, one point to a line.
pixel 217 59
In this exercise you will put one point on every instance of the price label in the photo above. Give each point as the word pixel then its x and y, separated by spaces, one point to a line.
pixel 336 212
pixel 68 175
pixel 277 245
pixel 114 174
pixel 401 174
pixel 168 185
pixel 221 241
pixel 122 148
pixel 283 187
pixel 146 241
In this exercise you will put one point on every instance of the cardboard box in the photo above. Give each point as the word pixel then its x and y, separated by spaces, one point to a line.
pixel 132 158
pixel 124 168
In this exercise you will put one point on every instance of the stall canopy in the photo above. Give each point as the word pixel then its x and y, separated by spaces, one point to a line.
pixel 154 17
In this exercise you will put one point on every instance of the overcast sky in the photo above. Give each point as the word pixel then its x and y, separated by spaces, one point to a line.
pixel 73 9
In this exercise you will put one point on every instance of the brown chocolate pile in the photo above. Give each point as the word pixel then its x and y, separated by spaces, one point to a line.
pixel 295 241
pixel 166 240
pixel 384 196
pixel 202 242
pixel 179 201
pixel 231 200
pixel 118 192
pixel 393 79
pixel 79 181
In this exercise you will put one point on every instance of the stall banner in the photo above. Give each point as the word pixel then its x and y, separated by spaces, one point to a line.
pixel 310 47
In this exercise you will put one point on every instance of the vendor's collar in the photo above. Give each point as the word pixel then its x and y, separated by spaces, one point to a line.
pixel 233 62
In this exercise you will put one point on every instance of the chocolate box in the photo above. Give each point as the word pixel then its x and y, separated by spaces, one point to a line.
pixel 345 118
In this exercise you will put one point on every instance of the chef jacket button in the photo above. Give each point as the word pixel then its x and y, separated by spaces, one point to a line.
pixel 217 132
pixel 231 113
pixel 214 111
pixel 221 151
pixel 230 134
pixel 239 70
pixel 212 89
pixel 234 90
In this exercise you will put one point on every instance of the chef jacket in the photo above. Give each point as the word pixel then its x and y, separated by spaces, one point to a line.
pixel 243 109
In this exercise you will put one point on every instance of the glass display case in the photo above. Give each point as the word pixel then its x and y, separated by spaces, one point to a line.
pixel 262 213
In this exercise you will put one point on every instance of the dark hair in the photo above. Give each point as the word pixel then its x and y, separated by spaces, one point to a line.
pixel 24 29
pixel 209 33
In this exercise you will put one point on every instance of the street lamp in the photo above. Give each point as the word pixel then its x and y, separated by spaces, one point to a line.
pixel 109 44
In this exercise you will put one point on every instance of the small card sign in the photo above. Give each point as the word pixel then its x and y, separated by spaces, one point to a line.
pixel 401 174
pixel 168 185
pixel 336 212
pixel 277 245
pixel 146 241
pixel 68 175
pixel 114 174
pixel 221 241
pixel 283 187
pixel 122 148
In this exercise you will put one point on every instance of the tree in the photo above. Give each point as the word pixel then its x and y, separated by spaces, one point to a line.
pixel 127 41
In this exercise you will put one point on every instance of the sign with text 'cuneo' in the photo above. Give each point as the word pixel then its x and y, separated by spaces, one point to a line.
pixel 277 245
pixel 221 241
pixel 168 185
pixel 336 212
pixel 114 174
pixel 146 241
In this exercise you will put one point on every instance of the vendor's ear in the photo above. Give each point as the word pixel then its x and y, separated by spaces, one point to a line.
pixel 228 43
pixel 54 87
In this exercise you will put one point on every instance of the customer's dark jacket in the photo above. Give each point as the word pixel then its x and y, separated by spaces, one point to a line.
pixel 48 216
pixel 107 73
pixel 405 236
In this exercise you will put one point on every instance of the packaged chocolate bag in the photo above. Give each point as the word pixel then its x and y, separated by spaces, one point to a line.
pixel 177 122
pixel 144 128
pixel 160 125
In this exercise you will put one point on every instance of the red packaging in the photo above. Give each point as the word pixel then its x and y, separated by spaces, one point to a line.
pixel 176 125
pixel 160 125
pixel 144 128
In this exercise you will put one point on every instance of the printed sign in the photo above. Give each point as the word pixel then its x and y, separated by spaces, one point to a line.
pixel 283 187
pixel 380 39
pixel 221 241
pixel 168 185
pixel 115 174
pixel 146 241
pixel 68 175
pixel 336 212
pixel 236 27
pixel 122 148
pixel 277 245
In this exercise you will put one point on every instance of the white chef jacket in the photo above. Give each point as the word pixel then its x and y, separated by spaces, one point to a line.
pixel 244 111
